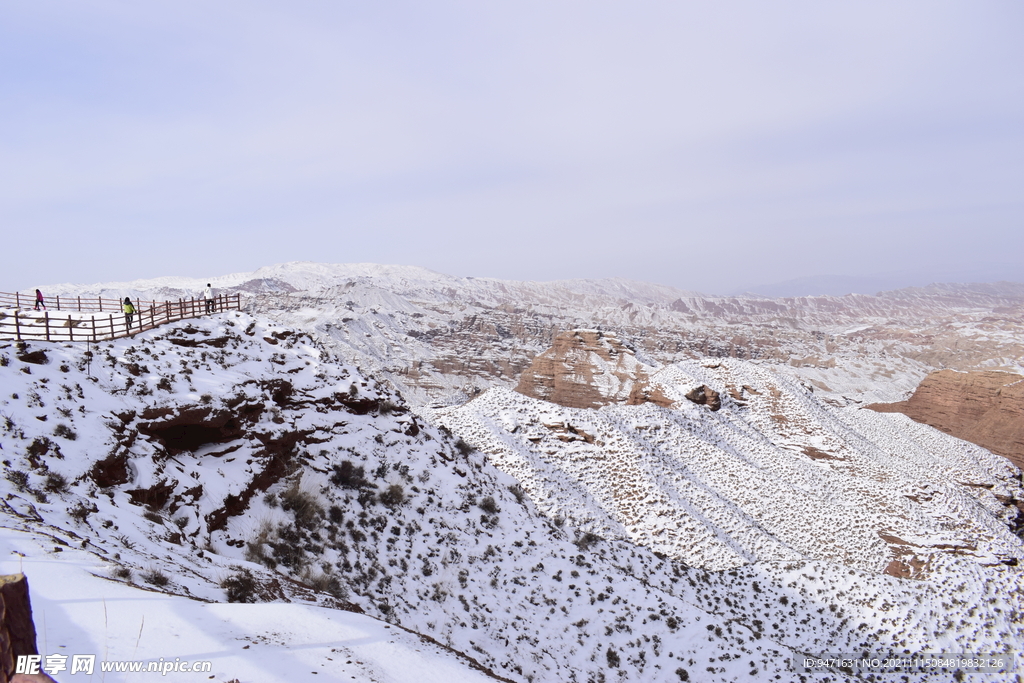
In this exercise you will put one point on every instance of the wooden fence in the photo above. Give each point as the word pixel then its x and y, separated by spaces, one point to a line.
pixel 64 325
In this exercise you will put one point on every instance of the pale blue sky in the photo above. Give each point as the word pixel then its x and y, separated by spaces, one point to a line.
pixel 710 146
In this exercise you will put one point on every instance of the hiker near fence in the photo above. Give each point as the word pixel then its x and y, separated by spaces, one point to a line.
pixel 80 319
pixel 129 312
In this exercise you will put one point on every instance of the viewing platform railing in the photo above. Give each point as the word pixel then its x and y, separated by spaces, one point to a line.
pixel 97 319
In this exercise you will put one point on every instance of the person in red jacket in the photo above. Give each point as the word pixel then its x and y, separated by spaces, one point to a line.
pixel 40 301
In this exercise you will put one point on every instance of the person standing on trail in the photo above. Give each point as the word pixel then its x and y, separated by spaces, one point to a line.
pixel 208 295
pixel 129 312
pixel 40 301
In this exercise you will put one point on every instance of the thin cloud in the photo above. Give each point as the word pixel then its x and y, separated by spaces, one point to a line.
pixel 535 140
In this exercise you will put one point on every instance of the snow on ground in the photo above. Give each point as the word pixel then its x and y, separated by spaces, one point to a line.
pixel 79 611
pixel 234 458
pixel 441 339
pixel 776 474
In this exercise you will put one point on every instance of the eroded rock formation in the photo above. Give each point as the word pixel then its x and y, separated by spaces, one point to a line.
pixel 705 396
pixel 17 632
pixel 986 408
pixel 588 369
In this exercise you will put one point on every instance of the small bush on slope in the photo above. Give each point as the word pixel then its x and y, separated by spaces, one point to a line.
pixel 240 587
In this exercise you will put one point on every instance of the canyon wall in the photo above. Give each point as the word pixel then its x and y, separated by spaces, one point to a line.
pixel 985 408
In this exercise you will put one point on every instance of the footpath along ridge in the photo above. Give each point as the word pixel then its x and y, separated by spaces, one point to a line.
pixel 96 319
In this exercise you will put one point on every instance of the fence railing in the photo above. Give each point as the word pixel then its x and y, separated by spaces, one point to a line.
pixel 86 321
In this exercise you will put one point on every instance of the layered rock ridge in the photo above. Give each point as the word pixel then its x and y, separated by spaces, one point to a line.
pixel 589 369
pixel 985 408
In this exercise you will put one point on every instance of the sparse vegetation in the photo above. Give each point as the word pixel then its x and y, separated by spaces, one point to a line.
pixel 393 496
pixel 517 491
pixel 370 527
pixel 56 483
pixel 348 475
pixel 587 540
pixel 18 478
pixel 153 517
pixel 155 577
pixel 303 504
pixel 240 587
pixel 65 432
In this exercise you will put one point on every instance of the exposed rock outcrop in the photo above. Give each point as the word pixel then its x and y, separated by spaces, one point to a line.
pixel 986 408
pixel 705 396
pixel 588 369
pixel 17 632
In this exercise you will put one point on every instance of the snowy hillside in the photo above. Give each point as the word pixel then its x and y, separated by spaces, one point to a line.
pixel 442 339
pixel 775 474
pixel 79 611
pixel 233 458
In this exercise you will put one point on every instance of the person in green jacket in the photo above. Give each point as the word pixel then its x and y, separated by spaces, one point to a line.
pixel 129 312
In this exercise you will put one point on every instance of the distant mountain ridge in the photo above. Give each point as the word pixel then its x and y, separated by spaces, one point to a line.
pixel 434 334
pixel 840 285
pixel 321 277
pixel 443 339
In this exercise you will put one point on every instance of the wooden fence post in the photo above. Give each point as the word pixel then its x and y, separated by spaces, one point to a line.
pixel 71 330
pixel 46 322
pixel 79 303
pixel 17 299
pixel 17 325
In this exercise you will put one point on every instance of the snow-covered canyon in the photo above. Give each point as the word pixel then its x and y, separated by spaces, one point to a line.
pixel 319 454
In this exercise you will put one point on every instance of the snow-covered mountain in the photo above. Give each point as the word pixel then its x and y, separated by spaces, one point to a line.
pixel 722 506
pixel 442 339
pixel 233 458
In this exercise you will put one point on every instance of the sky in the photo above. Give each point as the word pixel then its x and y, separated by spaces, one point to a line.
pixel 709 146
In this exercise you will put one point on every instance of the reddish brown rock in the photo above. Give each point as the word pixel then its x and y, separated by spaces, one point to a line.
pixel 705 395
pixel 643 392
pixel 17 632
pixel 588 369
pixel 986 408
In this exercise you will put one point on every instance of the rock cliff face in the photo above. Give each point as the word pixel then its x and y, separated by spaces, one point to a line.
pixel 986 408
pixel 588 369
pixel 17 631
